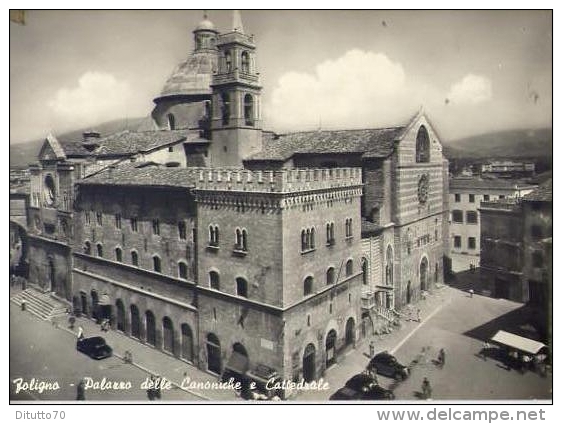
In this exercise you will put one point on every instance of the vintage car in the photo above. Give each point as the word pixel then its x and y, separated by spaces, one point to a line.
pixel 94 347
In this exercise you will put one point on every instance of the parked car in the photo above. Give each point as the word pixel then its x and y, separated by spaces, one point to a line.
pixel 361 383
pixel 94 347
pixel 345 393
pixel 386 364
pixel 378 393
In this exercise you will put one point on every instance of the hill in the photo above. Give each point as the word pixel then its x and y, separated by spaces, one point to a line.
pixel 525 143
pixel 21 154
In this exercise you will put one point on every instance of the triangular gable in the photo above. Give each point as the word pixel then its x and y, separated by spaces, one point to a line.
pixel 51 149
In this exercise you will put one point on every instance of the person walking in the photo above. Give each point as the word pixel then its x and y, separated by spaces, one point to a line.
pixel 80 334
pixel 441 358
pixel 426 388
pixel 418 316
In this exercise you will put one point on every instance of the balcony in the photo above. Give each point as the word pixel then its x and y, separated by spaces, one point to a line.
pixel 368 300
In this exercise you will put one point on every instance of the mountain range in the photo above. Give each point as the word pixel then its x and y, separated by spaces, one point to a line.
pixel 510 144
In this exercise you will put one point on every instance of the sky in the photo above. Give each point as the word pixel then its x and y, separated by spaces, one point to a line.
pixel 471 71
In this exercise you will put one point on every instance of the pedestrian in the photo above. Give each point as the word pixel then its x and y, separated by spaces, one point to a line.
pixel 80 334
pixel 80 390
pixel 426 388
pixel 71 321
pixel 418 318
pixel 471 292
pixel 441 358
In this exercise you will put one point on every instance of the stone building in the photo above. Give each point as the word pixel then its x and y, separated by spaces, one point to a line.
pixel 516 248
pixel 465 195
pixel 233 248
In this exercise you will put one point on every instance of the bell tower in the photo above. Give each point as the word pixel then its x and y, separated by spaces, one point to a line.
pixel 236 116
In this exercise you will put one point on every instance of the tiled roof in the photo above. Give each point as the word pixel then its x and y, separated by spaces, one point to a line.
pixel 143 174
pixel 127 142
pixel 484 183
pixel 542 193
pixel 370 143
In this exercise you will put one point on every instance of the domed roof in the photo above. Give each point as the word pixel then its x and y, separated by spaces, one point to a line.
pixel 192 76
pixel 205 25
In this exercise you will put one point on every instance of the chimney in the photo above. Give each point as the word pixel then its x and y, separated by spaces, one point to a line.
pixel 90 139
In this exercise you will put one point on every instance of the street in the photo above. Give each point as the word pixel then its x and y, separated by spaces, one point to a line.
pixel 40 351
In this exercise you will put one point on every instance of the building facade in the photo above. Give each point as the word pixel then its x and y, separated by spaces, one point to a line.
pixel 465 196
pixel 232 248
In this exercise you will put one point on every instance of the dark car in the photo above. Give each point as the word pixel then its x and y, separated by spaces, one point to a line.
pixel 346 393
pixel 94 347
pixel 361 383
pixel 386 364
pixel 378 393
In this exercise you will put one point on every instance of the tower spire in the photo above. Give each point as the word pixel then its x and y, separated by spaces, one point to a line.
pixel 237 22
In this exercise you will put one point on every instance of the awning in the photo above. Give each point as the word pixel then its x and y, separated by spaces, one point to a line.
pixel 238 363
pixel 104 300
pixel 517 342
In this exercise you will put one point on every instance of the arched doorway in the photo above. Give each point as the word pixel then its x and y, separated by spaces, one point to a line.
pixel 213 354
pixel 168 329
pixel 349 331
pixel 308 363
pixel 120 315
pixel 150 328
pixel 95 301
pixel 186 342
pixel 423 274
pixel 409 292
pixel 367 326
pixel 331 348
pixel 135 322
pixel 239 348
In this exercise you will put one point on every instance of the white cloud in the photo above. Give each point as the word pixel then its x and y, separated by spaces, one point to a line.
pixel 98 97
pixel 357 89
pixel 472 89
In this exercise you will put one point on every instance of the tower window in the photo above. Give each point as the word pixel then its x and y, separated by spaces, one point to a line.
pixel 182 230
pixel 134 225
pixel 214 280
pixel 348 227
pixel 213 235
pixel 156 226
pixel 100 250
pixel 245 62
pixel 330 240
pixel 118 221
pixel 249 109
pixel 422 145
pixel 99 218
pixel 241 240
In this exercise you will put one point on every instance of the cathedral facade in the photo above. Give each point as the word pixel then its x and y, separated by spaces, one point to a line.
pixel 235 249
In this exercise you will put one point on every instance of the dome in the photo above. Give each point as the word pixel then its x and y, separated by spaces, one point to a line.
pixel 192 76
pixel 205 25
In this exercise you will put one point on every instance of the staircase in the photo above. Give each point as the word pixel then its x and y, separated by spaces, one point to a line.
pixel 42 305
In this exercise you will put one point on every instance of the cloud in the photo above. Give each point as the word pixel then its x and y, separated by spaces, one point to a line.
pixel 98 97
pixel 472 89
pixel 357 89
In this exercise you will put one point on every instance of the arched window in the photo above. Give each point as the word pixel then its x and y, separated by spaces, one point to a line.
pixel 182 270
pixel 134 258
pixel 100 250
pixel 312 243
pixel 120 315
pixel 249 109
pixel 349 267
pixel 118 254
pixel 308 285
pixel 330 276
pixel 245 62
pixel 303 240
pixel 225 108
pixel 157 263
pixel 365 270
pixel 171 121
pixel 150 328
pixel 186 342
pixel 214 363
pixel 214 280
pixel 87 248
pixel 422 145
pixel 213 235
pixel 241 287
